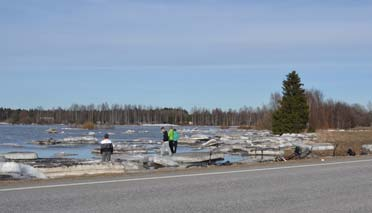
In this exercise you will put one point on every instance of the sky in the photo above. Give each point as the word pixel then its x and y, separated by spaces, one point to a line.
pixel 206 53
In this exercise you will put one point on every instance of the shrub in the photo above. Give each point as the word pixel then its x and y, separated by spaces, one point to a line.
pixel 88 125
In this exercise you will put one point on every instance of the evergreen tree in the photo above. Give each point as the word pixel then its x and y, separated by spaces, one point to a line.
pixel 292 115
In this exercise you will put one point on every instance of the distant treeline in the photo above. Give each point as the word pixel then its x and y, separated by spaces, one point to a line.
pixel 132 115
pixel 330 114
pixel 324 114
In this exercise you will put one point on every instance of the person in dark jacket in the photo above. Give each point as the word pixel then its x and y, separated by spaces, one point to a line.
pixel 106 148
pixel 165 134
pixel 165 144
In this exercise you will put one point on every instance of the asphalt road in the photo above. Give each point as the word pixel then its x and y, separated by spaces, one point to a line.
pixel 335 187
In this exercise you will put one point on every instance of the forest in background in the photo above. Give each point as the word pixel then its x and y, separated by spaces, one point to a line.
pixel 324 114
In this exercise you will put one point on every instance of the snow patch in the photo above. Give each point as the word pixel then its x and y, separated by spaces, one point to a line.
pixel 18 170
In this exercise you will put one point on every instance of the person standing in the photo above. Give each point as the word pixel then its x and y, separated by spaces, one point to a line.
pixel 106 148
pixel 171 139
pixel 176 137
pixel 165 144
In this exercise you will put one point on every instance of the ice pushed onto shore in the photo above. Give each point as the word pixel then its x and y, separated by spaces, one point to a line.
pixel 20 171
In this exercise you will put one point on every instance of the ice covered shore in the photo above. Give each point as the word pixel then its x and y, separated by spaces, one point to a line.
pixel 203 146
pixel 13 170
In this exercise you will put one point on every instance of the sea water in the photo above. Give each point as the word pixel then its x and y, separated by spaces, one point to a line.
pixel 18 138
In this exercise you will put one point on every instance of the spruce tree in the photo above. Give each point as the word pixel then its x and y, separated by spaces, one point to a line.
pixel 292 115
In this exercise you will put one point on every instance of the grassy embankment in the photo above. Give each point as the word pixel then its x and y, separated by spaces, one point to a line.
pixel 343 140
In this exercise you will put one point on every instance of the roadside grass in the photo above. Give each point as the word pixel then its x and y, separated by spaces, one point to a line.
pixel 348 139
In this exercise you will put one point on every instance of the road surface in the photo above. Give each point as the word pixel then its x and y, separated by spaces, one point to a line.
pixel 323 187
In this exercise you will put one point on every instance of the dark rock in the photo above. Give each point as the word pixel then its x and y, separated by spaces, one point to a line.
pixel 7 177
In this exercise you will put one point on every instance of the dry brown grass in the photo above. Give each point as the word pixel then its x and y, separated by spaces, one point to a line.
pixel 88 125
pixel 245 127
pixel 345 140
pixel 224 127
pixel 322 153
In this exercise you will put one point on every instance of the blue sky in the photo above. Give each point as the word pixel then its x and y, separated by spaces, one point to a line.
pixel 210 53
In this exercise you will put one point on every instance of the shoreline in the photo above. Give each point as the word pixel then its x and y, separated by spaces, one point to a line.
pixel 183 170
pixel 211 148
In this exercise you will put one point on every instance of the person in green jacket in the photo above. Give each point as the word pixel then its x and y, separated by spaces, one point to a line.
pixel 171 139
pixel 176 136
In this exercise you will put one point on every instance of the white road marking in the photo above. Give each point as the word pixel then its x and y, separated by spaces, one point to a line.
pixel 182 176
